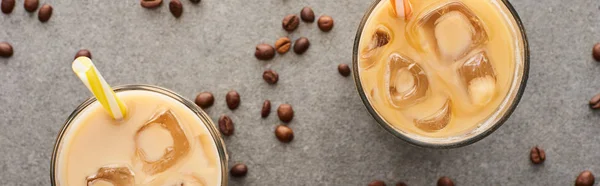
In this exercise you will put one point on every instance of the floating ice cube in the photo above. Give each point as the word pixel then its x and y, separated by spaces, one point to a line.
pixel 172 154
pixel 479 77
pixel 381 37
pixel 116 175
pixel 454 34
pixel 436 121
pixel 407 82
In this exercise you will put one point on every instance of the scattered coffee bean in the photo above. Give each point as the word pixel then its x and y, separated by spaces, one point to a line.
pixel 283 44
pixel 585 178
pixel 285 112
pixel 176 8
pixel 264 52
pixel 284 133
pixel 226 125
pixel 596 52
pixel 150 3
pixel 301 45
pixel 7 6
pixel 205 100
pixel 537 155
pixel 45 13
pixel 233 100
pixel 595 102
pixel 307 14
pixel 377 183
pixel 401 184
pixel 325 23
pixel 266 109
pixel 6 49
pixel 290 22
pixel 445 181
pixel 270 76
pixel 344 70
pixel 83 52
pixel 195 1
pixel 31 5
pixel 239 170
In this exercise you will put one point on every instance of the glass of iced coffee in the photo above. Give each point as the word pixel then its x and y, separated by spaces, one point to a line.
pixel 441 73
pixel 163 139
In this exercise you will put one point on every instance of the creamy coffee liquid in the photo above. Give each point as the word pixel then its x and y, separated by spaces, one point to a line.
pixel 160 142
pixel 441 71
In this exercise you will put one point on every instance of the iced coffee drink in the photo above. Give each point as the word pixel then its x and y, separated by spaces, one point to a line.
pixel 164 140
pixel 438 69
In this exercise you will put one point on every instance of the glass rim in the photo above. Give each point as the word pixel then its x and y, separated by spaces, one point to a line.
pixel 216 136
pixel 460 143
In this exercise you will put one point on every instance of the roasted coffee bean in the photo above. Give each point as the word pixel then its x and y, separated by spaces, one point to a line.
pixel 537 155
pixel 7 6
pixel 585 178
pixel 325 23
pixel 6 50
pixel 283 44
pixel 595 102
pixel 205 100
pixel 377 183
pixel 239 170
pixel 445 181
pixel 344 70
pixel 266 109
pixel 83 52
pixel 285 112
pixel 301 45
pixel 31 5
pixel 307 14
pixel 45 13
pixel 401 184
pixel 290 22
pixel 176 8
pixel 226 125
pixel 150 3
pixel 232 99
pixel 195 1
pixel 270 76
pixel 284 133
pixel 264 52
pixel 596 52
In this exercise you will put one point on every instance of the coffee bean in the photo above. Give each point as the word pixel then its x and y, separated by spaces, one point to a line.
pixel 377 183
pixel 344 70
pixel 270 76
pixel 195 1
pixel 31 5
pixel 585 178
pixel 595 102
pixel 176 8
pixel 150 3
pixel 7 6
pixel 284 133
pixel 290 22
pixel 45 13
pixel 83 52
pixel 401 184
pixel 537 155
pixel 283 44
pixel 285 112
pixel 226 125
pixel 325 23
pixel 239 170
pixel 264 52
pixel 266 109
pixel 6 49
pixel 445 181
pixel 301 45
pixel 307 14
pixel 596 52
pixel 233 100
pixel 205 100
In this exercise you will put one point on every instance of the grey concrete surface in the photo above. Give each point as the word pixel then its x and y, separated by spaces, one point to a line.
pixel 210 48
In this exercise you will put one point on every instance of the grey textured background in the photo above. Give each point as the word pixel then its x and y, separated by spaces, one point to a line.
pixel 210 48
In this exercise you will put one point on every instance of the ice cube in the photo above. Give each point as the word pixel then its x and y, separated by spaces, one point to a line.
pixel 407 82
pixel 172 154
pixel 449 28
pixel 482 90
pixel 116 175
pixel 479 77
pixel 436 121
pixel 381 37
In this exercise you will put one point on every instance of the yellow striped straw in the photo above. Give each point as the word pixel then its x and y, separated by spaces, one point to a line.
pixel 93 80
